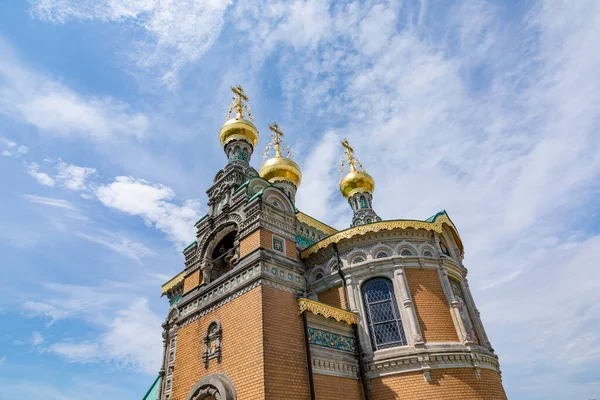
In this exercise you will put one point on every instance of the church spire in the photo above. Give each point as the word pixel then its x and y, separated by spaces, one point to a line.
pixel 238 135
pixel 358 187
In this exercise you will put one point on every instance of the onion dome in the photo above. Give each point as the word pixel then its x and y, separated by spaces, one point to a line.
pixel 356 181
pixel 279 168
pixel 238 127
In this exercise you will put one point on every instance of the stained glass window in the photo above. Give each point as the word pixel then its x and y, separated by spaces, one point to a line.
pixel 383 317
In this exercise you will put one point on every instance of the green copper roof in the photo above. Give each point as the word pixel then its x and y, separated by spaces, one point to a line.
pixel 190 245
pixel 152 393
pixel 201 219
pixel 434 217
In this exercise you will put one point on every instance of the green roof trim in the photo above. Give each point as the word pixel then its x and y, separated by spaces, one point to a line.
pixel 200 219
pixel 243 185
pixel 152 393
pixel 434 217
pixel 256 195
pixel 190 245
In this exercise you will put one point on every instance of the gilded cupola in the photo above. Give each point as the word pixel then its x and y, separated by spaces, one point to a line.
pixel 358 187
pixel 357 180
pixel 279 170
pixel 239 127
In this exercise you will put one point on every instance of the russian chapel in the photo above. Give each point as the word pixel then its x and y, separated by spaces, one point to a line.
pixel 274 304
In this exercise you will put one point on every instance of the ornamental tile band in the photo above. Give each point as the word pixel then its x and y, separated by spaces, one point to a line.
pixel 331 340
pixel 176 280
pixel 327 311
pixel 435 226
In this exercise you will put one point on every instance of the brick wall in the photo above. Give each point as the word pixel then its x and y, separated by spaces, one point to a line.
pixel 329 387
pixel 192 280
pixel 449 384
pixel 249 243
pixel 286 370
pixel 333 296
pixel 431 306
pixel 241 321
pixel 264 238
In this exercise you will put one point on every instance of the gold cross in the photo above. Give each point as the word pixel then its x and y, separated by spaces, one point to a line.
pixel 350 154
pixel 238 103
pixel 276 138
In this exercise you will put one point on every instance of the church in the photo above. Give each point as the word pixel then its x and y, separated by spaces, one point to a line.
pixel 274 304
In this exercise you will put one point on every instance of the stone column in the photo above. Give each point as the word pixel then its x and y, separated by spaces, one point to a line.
pixel 453 303
pixel 413 331
pixel 484 341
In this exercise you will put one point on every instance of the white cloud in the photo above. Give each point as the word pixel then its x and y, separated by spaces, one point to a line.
pixel 9 148
pixel 72 176
pixel 52 107
pixel 124 246
pixel 42 178
pixel 177 32
pixel 37 338
pixel 132 339
pixel 52 312
pixel 49 201
pixel 151 202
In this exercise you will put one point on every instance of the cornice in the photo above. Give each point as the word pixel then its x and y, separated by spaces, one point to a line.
pixel 435 226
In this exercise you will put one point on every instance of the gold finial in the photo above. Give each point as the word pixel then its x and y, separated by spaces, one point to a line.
pixel 239 104
pixel 275 140
pixel 352 161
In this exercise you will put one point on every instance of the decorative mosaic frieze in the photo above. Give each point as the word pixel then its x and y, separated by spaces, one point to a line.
pixel 302 242
pixel 331 340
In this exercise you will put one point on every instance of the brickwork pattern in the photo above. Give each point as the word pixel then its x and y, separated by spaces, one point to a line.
pixel 286 370
pixel 249 243
pixel 192 280
pixel 264 238
pixel 242 351
pixel 334 297
pixel 329 387
pixel 431 306
pixel 448 384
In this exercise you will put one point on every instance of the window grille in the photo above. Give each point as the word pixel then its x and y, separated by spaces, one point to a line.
pixel 383 317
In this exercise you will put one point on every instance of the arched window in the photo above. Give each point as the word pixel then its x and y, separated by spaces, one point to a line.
pixel 427 253
pixel 358 259
pixel 319 276
pixel 383 317
pixel 381 254
pixel 406 253
pixel 363 202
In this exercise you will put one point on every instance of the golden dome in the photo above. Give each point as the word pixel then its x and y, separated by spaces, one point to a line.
pixel 238 129
pixel 356 182
pixel 281 169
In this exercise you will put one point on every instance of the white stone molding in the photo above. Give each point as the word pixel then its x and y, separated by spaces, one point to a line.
pixel 404 298
pixel 461 331
pixel 475 316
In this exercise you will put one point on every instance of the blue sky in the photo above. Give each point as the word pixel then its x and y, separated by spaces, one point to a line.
pixel 109 116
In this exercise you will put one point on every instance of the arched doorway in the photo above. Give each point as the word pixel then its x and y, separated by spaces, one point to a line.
pixel 213 387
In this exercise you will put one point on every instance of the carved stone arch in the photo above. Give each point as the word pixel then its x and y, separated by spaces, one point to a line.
pixel 403 246
pixel 331 266
pixel 173 315
pixel 381 248
pixel 315 273
pixel 210 241
pixel 217 386
pixel 257 184
pixel 426 247
pixel 354 255
pixel 218 175
pixel 271 194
